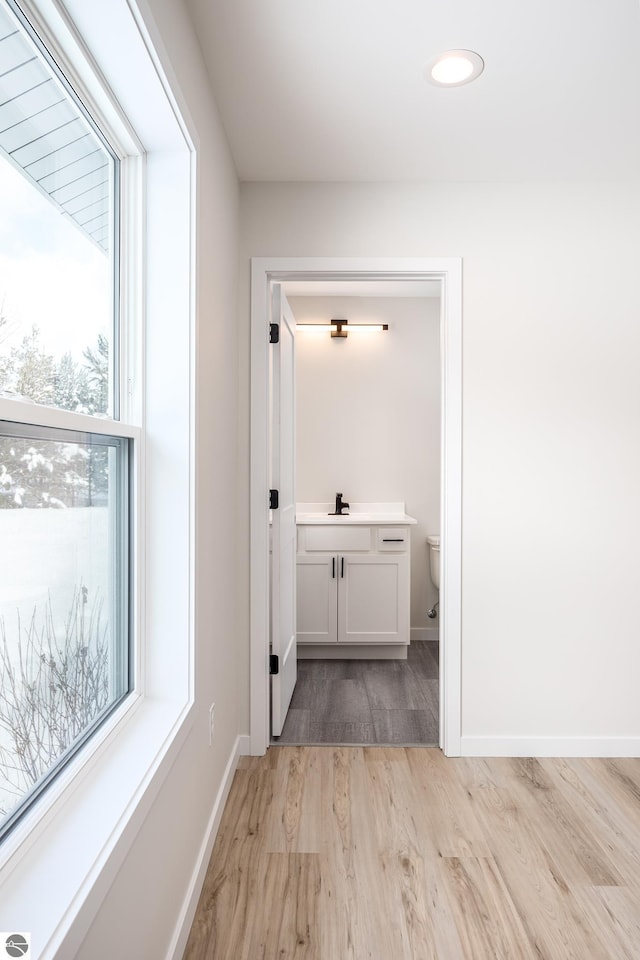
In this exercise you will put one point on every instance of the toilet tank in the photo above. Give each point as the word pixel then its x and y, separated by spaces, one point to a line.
pixel 434 559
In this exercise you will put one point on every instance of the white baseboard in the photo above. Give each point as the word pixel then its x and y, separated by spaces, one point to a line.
pixel 550 746
pixel 183 927
pixel 425 633
pixel 352 651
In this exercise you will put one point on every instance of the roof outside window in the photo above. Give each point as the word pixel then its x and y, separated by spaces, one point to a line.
pixel 47 137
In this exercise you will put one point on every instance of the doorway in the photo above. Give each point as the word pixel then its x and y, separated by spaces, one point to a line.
pixel 291 271
pixel 367 422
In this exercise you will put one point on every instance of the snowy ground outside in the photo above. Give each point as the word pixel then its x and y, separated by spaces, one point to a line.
pixel 46 554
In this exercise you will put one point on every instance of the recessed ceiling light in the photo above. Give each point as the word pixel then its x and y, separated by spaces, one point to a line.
pixel 454 68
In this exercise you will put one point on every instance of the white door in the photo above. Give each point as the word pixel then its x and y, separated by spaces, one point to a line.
pixel 283 592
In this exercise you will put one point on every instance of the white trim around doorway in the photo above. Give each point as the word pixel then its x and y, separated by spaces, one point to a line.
pixel 265 270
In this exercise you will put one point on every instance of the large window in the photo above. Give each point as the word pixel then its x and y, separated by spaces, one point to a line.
pixel 65 458
pixel 58 236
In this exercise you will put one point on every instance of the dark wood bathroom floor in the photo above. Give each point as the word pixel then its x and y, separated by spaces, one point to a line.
pixel 366 701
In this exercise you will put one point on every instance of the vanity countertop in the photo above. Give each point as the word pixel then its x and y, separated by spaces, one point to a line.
pixel 359 513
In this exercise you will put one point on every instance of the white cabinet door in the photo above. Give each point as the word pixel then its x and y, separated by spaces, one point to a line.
pixel 317 615
pixel 373 599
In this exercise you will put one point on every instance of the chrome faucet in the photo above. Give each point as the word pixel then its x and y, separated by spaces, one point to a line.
pixel 340 506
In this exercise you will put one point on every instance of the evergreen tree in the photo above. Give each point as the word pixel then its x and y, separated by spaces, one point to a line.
pixel 33 369
pixel 70 385
pixel 97 371
pixel 48 473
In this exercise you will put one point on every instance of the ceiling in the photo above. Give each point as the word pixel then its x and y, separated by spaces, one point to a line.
pixel 336 91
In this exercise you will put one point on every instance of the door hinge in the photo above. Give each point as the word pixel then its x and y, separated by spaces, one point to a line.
pixel 274 664
pixel 274 499
pixel 274 333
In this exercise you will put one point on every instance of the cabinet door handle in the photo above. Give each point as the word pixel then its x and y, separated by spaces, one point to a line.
pixel 342 568
pixel 333 568
pixel 393 539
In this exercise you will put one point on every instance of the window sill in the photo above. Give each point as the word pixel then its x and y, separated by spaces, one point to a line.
pixel 57 871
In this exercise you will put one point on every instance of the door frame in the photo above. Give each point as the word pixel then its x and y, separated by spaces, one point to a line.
pixel 264 270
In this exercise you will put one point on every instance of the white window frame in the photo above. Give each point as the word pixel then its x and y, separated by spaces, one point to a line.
pixel 126 421
pixel 60 859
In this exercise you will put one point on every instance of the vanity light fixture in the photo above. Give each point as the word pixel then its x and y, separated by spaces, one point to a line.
pixel 455 68
pixel 339 327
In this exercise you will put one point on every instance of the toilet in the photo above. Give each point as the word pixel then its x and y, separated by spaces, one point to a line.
pixel 434 569
pixel 434 560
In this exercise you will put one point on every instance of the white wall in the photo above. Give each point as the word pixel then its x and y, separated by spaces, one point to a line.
pixel 139 915
pixel 551 406
pixel 368 415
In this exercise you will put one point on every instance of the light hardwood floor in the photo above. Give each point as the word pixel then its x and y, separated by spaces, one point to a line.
pixel 373 853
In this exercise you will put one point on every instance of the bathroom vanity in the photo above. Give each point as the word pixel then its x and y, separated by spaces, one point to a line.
pixel 353 577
